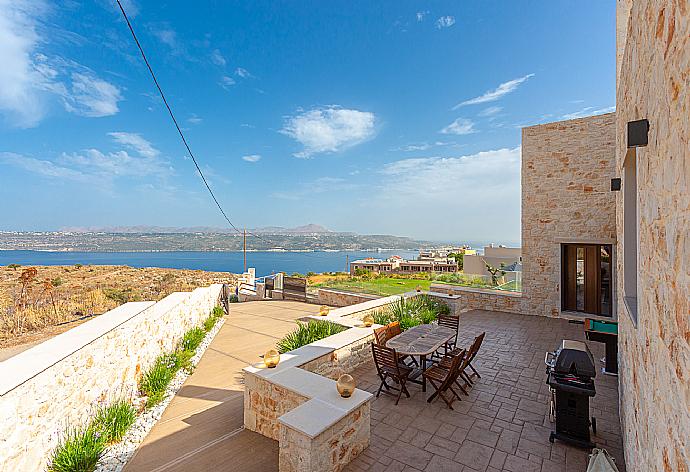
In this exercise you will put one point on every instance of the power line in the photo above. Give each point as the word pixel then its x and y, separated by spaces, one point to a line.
pixel 172 115
pixel 182 136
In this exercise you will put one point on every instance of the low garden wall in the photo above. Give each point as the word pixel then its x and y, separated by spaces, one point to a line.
pixel 466 298
pixel 338 298
pixel 58 383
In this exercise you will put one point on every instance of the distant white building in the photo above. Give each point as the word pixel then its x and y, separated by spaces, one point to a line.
pixel 510 257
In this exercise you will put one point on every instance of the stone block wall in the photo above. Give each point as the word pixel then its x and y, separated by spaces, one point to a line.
pixel 654 353
pixel 265 402
pixel 331 450
pixel 343 360
pixel 338 298
pixel 567 169
pixel 466 298
pixel 65 378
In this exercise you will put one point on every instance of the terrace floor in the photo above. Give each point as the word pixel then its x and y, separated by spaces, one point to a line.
pixel 202 427
pixel 504 424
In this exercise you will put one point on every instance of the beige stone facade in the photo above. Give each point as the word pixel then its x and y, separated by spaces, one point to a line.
pixel 567 169
pixel 654 352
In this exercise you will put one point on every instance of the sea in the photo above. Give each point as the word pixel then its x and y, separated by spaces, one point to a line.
pixel 265 263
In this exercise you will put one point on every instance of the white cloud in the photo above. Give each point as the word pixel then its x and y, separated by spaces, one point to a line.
pixel 460 126
pixel 492 95
pixel 19 97
pixel 217 58
pixel 424 146
pixel 422 14
pixel 44 168
pixel 91 96
pixel 194 119
pixel 252 158
pixel 329 129
pixel 28 78
pixel 469 197
pixel 167 36
pixel 98 167
pixel 588 111
pixel 135 142
pixel 244 73
pixel 110 165
pixel 445 22
pixel 490 111
pixel 227 82
pixel 316 186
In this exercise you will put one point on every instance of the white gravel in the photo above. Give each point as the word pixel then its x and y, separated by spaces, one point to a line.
pixel 116 456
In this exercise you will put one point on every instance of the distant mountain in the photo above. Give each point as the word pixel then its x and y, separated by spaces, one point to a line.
pixel 147 229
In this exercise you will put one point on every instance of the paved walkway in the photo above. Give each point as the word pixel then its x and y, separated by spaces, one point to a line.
pixel 202 427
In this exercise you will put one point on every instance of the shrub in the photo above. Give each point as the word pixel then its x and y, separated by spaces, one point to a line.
pixel 311 274
pixel 216 314
pixel 13 266
pixel 233 299
pixel 121 296
pixel 307 333
pixel 113 421
pixel 156 380
pixel 413 311
pixel 79 450
pixel 192 339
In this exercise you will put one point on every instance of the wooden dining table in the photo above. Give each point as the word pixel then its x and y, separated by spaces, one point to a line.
pixel 421 341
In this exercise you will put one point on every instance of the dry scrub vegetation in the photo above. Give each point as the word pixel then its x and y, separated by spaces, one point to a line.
pixel 37 302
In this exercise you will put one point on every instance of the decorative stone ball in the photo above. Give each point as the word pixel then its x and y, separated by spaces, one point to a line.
pixel 345 385
pixel 271 358
pixel 368 320
pixel 324 310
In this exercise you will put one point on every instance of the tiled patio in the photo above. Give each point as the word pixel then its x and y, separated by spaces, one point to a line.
pixel 504 424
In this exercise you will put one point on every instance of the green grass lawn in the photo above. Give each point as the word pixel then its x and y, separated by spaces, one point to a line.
pixel 383 286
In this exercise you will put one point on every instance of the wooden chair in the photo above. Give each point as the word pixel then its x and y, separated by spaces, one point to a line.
pixel 445 363
pixel 394 329
pixel 443 379
pixel 381 335
pixel 452 322
pixel 388 366
pixel 472 352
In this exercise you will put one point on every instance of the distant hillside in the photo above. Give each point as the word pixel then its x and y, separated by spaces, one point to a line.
pixel 304 238
pixel 143 229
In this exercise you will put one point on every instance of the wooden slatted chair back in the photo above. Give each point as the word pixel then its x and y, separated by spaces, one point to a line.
pixel 381 335
pixel 385 358
pixel 474 348
pixel 452 322
pixel 394 329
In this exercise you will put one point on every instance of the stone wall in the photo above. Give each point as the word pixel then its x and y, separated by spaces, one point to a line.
pixel 60 382
pixel 265 402
pixel 654 354
pixel 567 169
pixel 343 360
pixel 331 450
pixel 338 298
pixel 466 298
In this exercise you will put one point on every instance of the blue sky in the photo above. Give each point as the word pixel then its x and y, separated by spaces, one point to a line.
pixel 375 117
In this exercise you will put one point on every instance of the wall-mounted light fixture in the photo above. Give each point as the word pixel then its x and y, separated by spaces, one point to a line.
pixel 638 133
pixel 615 184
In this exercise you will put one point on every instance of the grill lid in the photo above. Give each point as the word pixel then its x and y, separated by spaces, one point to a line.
pixel 574 357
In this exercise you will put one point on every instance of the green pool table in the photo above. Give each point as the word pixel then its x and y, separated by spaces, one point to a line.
pixel 605 332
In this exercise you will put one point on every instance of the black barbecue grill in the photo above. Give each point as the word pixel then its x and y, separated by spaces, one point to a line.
pixel 570 374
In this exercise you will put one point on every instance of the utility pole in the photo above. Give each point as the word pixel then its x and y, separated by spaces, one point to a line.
pixel 245 250
pixel 347 263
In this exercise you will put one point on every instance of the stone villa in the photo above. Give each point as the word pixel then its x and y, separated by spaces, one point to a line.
pixel 605 234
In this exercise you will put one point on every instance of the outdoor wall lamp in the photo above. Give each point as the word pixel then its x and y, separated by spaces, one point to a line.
pixel 638 133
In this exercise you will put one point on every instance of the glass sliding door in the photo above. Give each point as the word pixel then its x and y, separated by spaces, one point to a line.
pixel 586 278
